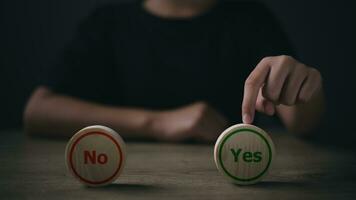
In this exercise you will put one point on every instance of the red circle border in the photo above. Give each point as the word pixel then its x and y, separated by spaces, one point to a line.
pixel 71 156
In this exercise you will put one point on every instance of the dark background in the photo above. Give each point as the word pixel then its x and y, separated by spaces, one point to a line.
pixel 32 33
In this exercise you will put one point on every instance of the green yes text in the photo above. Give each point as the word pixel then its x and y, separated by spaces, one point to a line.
pixel 247 156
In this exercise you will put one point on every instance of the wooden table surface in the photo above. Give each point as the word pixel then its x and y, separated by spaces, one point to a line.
pixel 34 168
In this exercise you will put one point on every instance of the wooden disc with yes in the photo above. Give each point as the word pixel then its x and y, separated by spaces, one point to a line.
pixel 244 153
pixel 95 155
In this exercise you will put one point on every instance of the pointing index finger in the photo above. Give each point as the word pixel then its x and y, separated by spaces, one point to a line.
pixel 253 83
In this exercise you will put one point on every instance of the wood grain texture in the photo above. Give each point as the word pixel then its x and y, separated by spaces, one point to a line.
pixel 33 168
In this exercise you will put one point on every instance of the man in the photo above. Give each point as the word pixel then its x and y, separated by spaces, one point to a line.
pixel 175 70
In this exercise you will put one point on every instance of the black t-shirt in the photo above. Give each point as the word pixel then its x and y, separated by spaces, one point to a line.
pixel 125 56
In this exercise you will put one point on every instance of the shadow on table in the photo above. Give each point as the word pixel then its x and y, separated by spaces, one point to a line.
pixel 127 187
pixel 279 185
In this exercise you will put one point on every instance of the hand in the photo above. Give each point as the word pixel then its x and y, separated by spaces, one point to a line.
pixel 278 80
pixel 197 121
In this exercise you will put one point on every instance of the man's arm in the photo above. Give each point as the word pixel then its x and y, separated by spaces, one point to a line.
pixel 51 114
pixel 48 113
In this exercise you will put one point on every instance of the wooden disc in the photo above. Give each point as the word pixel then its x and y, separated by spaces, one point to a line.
pixel 95 155
pixel 244 153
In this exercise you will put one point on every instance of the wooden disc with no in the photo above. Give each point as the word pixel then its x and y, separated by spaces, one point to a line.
pixel 95 155
pixel 244 153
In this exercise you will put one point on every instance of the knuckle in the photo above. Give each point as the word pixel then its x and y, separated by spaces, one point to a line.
pixel 304 70
pixel 266 59
pixel 271 94
pixel 199 115
pixel 201 105
pixel 313 71
pixel 202 109
pixel 302 67
pixel 286 58
pixel 251 82
pixel 315 74
pixel 303 98
pixel 288 101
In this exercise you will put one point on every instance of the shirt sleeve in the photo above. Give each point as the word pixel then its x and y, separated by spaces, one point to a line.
pixel 85 67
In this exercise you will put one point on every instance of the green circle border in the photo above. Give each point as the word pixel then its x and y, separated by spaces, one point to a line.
pixel 260 174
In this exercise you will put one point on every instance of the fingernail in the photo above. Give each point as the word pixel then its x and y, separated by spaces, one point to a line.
pixel 246 118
